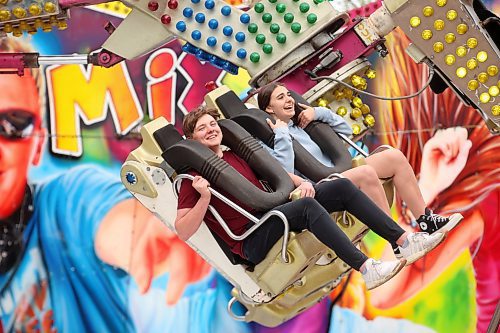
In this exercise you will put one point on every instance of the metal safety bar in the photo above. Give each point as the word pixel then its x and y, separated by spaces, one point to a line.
pixel 230 310
pixel 353 145
pixel 258 222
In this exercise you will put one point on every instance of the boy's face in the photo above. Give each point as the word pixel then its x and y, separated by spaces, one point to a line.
pixel 207 132
pixel 21 138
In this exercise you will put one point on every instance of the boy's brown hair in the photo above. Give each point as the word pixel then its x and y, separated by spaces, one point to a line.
pixel 190 120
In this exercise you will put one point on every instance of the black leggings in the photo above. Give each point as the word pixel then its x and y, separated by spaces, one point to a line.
pixel 313 215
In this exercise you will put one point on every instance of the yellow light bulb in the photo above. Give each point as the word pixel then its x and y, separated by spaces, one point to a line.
pixel 356 80
pixel 356 113
pixel 356 129
pixel 363 83
pixel 32 30
pixel 495 110
pixel 49 7
pixel 338 95
pixel 471 64
pixel 428 11
pixel 426 34
pixel 472 85
pixel 461 51
pixel 369 120
pixel 371 74
pixel 484 98
pixel 449 59
pixel 357 102
pixel 348 93
pixel 461 72
pixel 46 27
pixel 62 25
pixel 17 32
pixel 482 56
pixel 441 3
pixel 482 77
pixel 471 43
pixel 7 28
pixel 439 25
pixel 449 38
pixel 494 91
pixel 19 12
pixel 415 21
pixel 35 9
pixel 365 109
pixel 4 15
pixel 322 102
pixel 492 70
pixel 341 111
pixel 438 47
pixel 462 28
pixel 451 15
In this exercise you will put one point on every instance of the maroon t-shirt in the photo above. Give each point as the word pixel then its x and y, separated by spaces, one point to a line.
pixel 188 197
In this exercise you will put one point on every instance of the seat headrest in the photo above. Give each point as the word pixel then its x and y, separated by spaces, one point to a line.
pixel 167 136
pixel 230 104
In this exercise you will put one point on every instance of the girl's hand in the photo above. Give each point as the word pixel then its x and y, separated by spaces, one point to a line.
pixel 306 116
pixel 279 124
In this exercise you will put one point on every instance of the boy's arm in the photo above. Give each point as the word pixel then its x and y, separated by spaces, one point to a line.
pixel 189 219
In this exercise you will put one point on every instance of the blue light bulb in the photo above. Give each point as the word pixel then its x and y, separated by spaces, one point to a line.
pixel 200 18
pixel 227 31
pixel 241 53
pixel 227 47
pixel 226 10
pixel 240 37
pixel 209 4
pixel 213 24
pixel 181 26
pixel 196 34
pixel 211 41
pixel 244 18
pixel 187 12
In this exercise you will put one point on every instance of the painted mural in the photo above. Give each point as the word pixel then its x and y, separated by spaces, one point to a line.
pixel 84 256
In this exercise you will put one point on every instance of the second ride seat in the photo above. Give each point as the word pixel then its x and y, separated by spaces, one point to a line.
pixel 273 290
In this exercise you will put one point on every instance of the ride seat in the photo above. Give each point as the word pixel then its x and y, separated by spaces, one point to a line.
pixel 272 275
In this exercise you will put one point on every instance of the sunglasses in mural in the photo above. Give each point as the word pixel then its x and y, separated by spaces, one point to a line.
pixel 16 125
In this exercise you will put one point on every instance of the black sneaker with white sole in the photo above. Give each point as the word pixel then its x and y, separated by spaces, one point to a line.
pixel 430 222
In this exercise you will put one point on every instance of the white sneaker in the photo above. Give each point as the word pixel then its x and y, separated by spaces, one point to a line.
pixel 378 272
pixel 418 244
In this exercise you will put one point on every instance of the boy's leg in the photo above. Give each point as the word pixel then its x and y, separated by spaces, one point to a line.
pixel 307 214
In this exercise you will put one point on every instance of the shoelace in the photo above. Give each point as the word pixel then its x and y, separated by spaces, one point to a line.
pixel 436 218
pixel 419 235
pixel 376 265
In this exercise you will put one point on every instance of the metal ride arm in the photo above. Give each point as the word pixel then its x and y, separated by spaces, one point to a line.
pixel 16 63
pixel 258 222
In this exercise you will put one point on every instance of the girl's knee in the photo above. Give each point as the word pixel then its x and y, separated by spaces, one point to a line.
pixel 394 155
pixel 367 175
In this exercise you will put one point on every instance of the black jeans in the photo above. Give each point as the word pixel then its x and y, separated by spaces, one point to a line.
pixel 313 215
